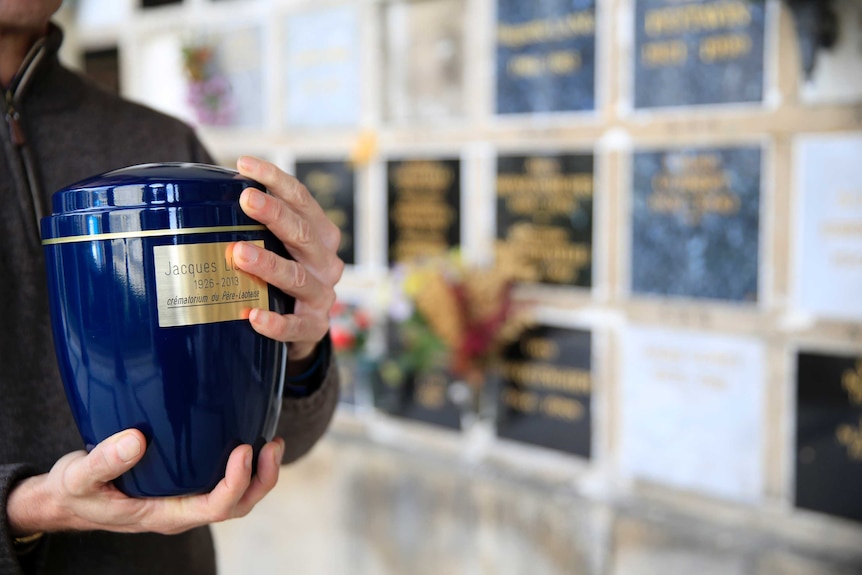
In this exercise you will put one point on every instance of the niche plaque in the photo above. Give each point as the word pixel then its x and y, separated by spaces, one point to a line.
pixel 698 52
pixel 692 411
pixel 546 56
pixel 333 186
pixel 545 390
pixel 545 215
pixel 696 223
pixel 423 60
pixel 829 434
pixel 424 208
pixel 424 394
pixel 829 180
pixel 323 79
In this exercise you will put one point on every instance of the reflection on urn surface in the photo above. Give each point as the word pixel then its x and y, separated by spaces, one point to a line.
pixel 149 320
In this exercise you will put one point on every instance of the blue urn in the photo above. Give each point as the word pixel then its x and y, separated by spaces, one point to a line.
pixel 150 324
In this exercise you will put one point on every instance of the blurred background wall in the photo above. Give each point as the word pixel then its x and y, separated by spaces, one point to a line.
pixel 636 347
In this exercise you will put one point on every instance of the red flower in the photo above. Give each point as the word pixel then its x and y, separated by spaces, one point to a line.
pixel 337 309
pixel 362 319
pixel 341 338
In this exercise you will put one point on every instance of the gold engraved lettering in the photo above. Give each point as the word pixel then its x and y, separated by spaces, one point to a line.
pixel 564 62
pixel 669 53
pixel 564 408
pixel 420 212
pixel 540 348
pixel 671 376
pixel 548 377
pixel 431 392
pixel 555 63
pixel 693 18
pixel 337 217
pixel 850 199
pixel 841 228
pixel 523 401
pixel 850 437
pixel 847 259
pixel 423 215
pixel 199 283
pixel 695 186
pixel 423 176
pixel 725 47
pixel 542 31
pixel 544 194
pixel 851 382
pixel 526 66
pixel 322 183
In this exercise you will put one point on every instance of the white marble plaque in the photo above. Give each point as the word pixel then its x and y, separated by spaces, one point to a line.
pixel 692 411
pixel 239 57
pixel 322 81
pixel 828 274
pixel 424 66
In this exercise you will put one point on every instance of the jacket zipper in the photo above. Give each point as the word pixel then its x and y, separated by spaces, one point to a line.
pixel 16 131
pixel 13 121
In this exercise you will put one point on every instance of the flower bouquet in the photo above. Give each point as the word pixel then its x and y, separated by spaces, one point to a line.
pixel 453 319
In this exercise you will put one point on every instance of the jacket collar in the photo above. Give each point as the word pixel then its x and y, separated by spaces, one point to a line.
pixel 42 82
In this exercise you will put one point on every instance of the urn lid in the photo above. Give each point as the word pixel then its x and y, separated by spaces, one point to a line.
pixel 146 185
pixel 148 197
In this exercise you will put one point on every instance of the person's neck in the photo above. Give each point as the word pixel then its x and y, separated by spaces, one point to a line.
pixel 14 45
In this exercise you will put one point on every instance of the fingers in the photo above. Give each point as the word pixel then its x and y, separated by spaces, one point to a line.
pixel 308 328
pixel 307 238
pixel 228 492
pixel 290 212
pixel 237 493
pixel 292 215
pixel 86 500
pixel 268 466
pixel 107 461
pixel 287 275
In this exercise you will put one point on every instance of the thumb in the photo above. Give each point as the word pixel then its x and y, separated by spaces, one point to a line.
pixel 107 461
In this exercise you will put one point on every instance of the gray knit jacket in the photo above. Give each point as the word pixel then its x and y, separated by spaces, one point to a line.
pixel 68 129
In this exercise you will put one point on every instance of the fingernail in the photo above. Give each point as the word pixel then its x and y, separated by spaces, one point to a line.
pixel 245 253
pixel 257 316
pixel 279 453
pixel 247 163
pixel 247 460
pixel 254 198
pixel 128 448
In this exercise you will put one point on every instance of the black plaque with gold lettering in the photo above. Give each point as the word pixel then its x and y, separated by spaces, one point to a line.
pixel 546 56
pixel 829 434
pixel 333 185
pixel 545 215
pixel 698 52
pixel 546 389
pixel 403 389
pixel 696 223
pixel 424 208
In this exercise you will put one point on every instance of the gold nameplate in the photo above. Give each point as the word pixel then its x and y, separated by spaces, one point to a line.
pixel 198 283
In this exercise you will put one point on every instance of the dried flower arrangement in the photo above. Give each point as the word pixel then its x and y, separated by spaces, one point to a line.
pixel 458 315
